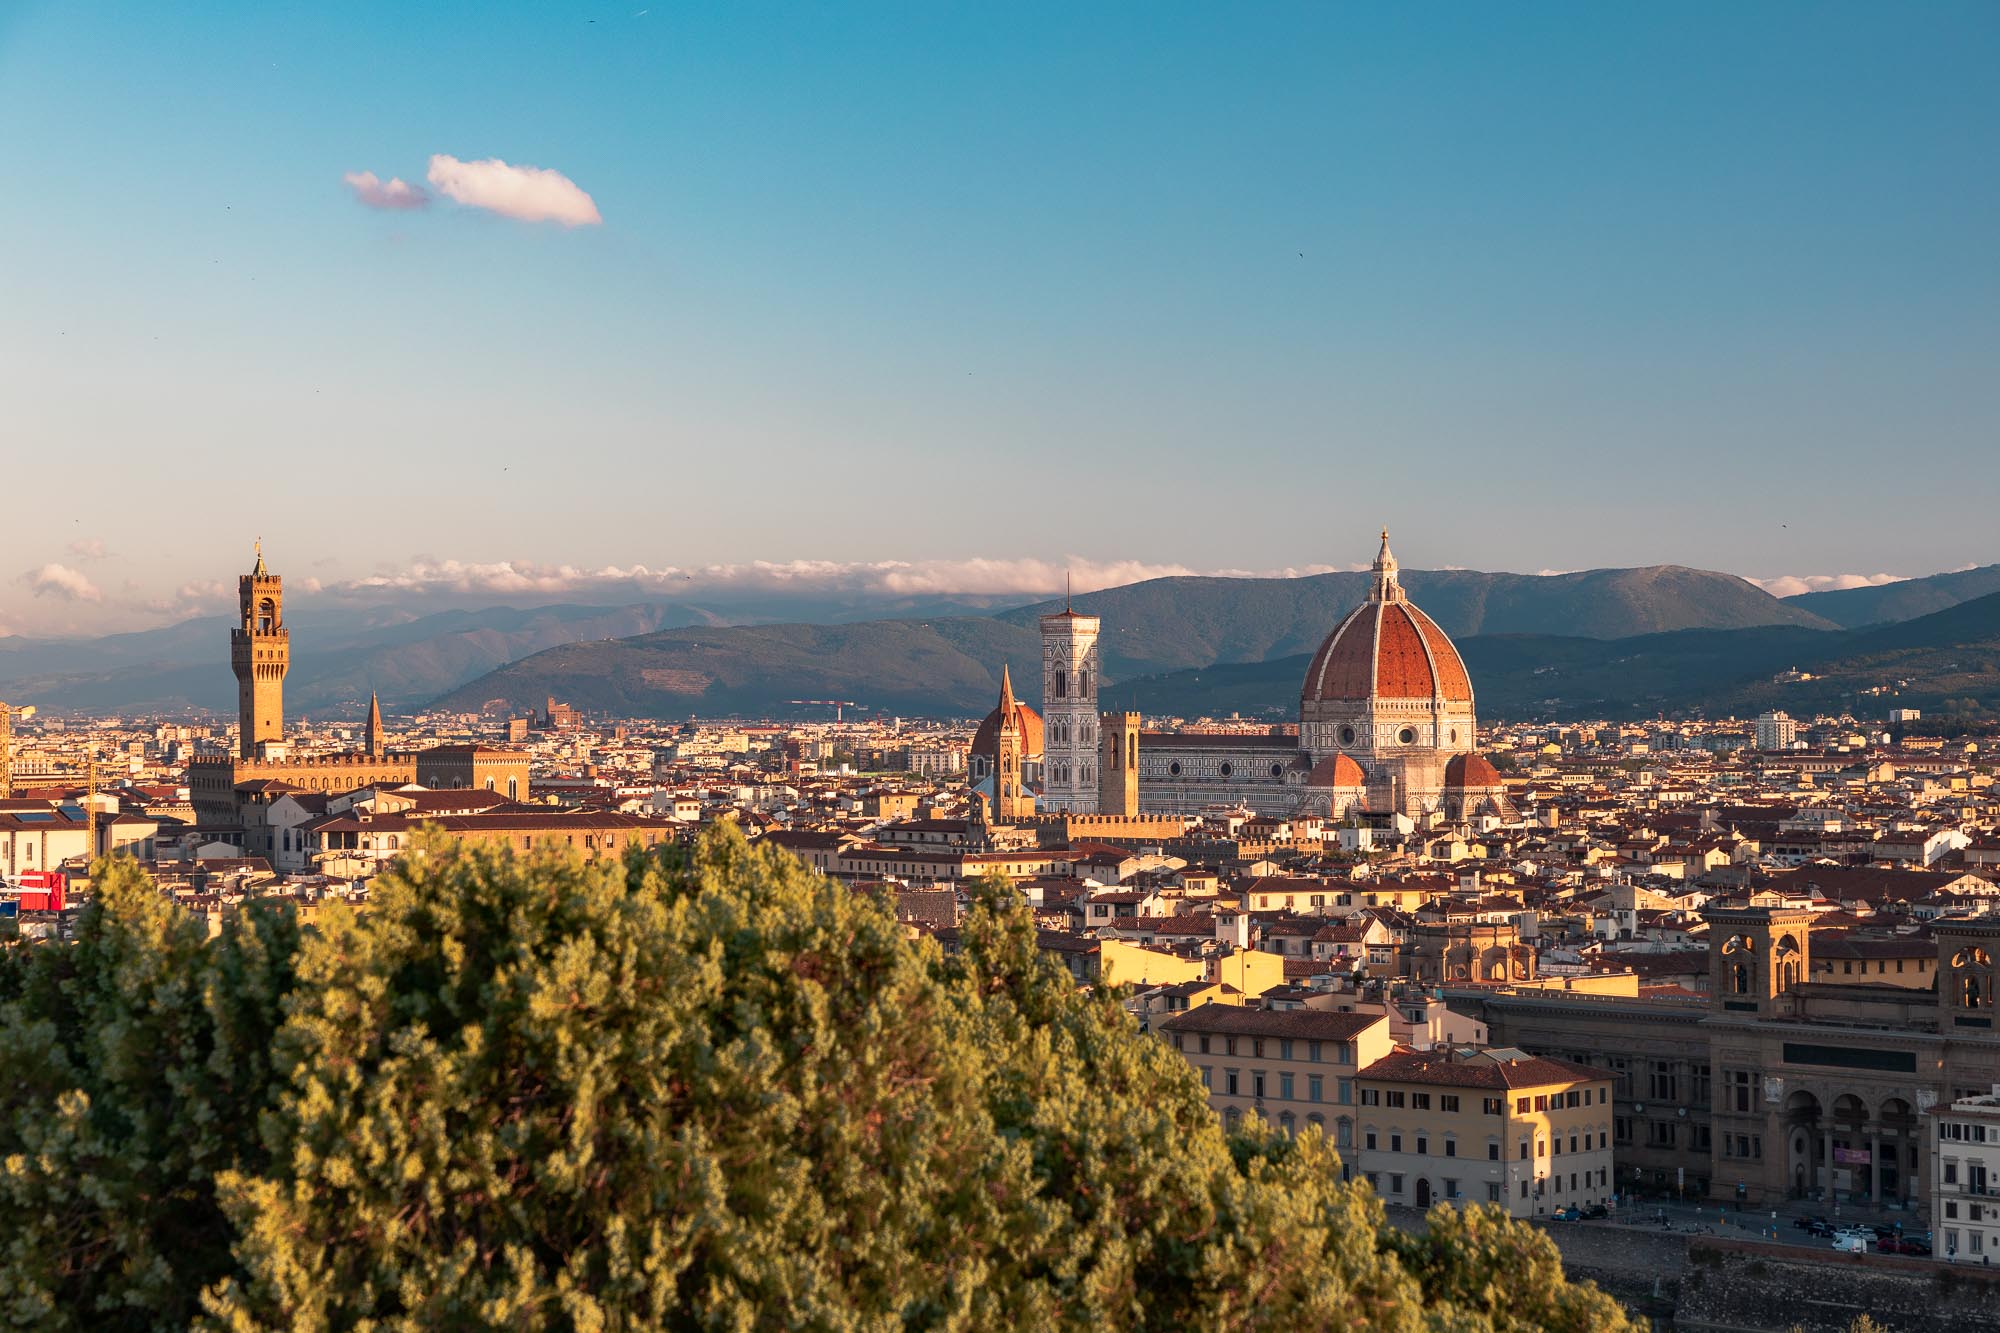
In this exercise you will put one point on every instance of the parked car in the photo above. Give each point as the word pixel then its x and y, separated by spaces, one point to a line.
pixel 1884 1230
pixel 1854 1240
pixel 1820 1227
pixel 1569 1214
pixel 1904 1245
pixel 1596 1210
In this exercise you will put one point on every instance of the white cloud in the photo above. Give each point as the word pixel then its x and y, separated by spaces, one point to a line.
pixel 395 194
pixel 1791 585
pixel 53 580
pixel 528 194
pixel 972 577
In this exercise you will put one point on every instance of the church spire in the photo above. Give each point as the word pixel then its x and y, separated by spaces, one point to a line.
pixel 1006 696
pixel 374 725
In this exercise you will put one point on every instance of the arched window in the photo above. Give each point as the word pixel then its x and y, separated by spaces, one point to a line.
pixel 1343 1132
pixel 1062 684
pixel 1132 750
pixel 1286 1123
pixel 513 788
pixel 1083 684
pixel 1739 979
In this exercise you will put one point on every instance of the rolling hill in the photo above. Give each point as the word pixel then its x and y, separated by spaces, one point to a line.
pixel 1163 624
pixel 1937 662
pixel 1153 629
pixel 1852 608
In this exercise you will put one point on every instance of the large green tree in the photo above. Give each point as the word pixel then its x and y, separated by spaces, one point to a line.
pixel 702 1090
pixel 134 1066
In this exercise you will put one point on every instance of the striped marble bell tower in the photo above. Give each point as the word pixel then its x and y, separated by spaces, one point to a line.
pixel 1069 711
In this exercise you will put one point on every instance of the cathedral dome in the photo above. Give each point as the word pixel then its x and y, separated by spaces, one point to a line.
pixel 1336 771
pixel 1026 718
pixel 1387 649
pixel 1471 770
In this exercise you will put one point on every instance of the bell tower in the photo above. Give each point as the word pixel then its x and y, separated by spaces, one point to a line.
pixel 1070 678
pixel 260 652
pixel 1756 954
pixel 1011 799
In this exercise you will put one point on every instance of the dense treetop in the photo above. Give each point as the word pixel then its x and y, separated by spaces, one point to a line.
pixel 709 1089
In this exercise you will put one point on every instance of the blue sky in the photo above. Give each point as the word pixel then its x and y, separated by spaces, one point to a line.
pixel 988 290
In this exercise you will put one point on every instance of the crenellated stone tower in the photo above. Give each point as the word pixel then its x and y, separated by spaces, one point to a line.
pixel 1069 711
pixel 260 652
pixel 1118 765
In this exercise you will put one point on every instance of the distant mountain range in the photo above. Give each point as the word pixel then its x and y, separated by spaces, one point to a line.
pixel 340 655
pixel 1947 662
pixel 1609 641
pixel 1194 646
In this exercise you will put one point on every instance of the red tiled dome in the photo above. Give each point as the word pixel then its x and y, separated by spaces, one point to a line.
pixel 1026 718
pixel 1388 650
pixel 1470 770
pixel 1336 771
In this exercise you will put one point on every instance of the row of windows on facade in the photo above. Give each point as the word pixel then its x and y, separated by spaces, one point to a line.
pixel 1285 1047
pixel 1059 774
pixel 1529 1147
pixel 1548 1101
pixel 1224 769
pixel 1496 1190
pixel 1232 1086
pixel 1975 1177
pixel 1975 1241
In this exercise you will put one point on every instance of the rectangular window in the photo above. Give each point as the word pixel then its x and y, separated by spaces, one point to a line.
pixel 1395 1184
pixel 1451 1147
pixel 1395 1143
pixel 1448 1102
pixel 1492 1151
pixel 1368 1140
pixel 1394 1097
pixel 1420 1101
pixel 1493 1105
pixel 1371 1096
pixel 1346 1093
pixel 1313 1086
pixel 1541 1102
pixel 1312 1051
pixel 1229 1082
pixel 1257 1086
pixel 1206 1080
pixel 1285 1048
pixel 1522 1105
pixel 1285 1086
pixel 1492 1191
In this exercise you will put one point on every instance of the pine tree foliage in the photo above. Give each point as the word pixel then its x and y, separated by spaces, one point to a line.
pixel 136 1069
pixel 705 1090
